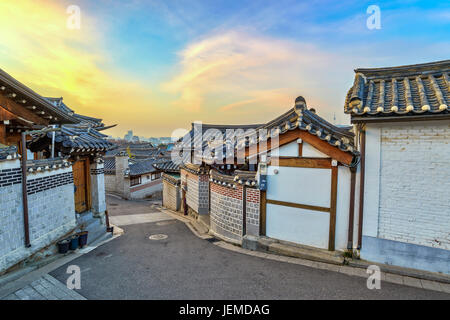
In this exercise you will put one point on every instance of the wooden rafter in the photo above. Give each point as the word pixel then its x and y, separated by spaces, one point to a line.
pixel 20 111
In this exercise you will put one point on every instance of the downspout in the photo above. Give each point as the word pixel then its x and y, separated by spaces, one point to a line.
pixel 244 211
pixel 24 190
pixel 361 186
pixel 351 213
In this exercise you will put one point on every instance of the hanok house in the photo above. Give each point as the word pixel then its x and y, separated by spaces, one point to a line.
pixel 195 184
pixel 36 214
pixel 403 121
pixel 133 178
pixel 306 174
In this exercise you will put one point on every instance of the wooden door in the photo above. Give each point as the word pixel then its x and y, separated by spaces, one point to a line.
pixel 80 181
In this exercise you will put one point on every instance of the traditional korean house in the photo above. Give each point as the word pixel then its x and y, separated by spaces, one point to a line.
pixel 198 147
pixel 302 192
pixel 133 178
pixel 37 199
pixel 403 122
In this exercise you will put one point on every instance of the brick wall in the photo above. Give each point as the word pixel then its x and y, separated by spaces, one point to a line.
pixel 227 211
pixel 414 205
pixel 51 210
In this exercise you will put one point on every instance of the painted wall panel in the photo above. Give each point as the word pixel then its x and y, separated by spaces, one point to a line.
pixel 288 150
pixel 298 225
pixel 300 185
pixel 309 151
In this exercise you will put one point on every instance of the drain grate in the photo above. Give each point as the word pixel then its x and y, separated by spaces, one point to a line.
pixel 212 240
pixel 159 236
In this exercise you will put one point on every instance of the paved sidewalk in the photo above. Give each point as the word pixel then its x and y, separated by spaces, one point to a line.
pixel 45 288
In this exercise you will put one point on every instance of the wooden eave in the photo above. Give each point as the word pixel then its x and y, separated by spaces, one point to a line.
pixel 293 135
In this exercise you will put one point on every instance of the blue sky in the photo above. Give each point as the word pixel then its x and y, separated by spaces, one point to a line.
pixel 220 61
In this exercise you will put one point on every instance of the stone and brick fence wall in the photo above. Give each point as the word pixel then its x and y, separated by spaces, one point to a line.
pixel 51 207
pixel 234 207
pixel 196 183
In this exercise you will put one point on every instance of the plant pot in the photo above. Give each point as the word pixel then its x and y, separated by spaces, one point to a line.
pixel 82 240
pixel 63 246
pixel 73 243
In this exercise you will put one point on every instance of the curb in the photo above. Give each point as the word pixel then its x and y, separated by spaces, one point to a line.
pixel 407 277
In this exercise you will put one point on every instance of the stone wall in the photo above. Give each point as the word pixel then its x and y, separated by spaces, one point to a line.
pixel 51 209
pixel 252 211
pixel 197 194
pixel 171 196
pixel 226 215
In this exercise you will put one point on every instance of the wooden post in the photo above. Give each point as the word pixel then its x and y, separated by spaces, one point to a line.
pixel 333 200
pixel 361 187
pixel 2 133
pixel 262 214
pixel 351 212
pixel 24 191
pixel 244 211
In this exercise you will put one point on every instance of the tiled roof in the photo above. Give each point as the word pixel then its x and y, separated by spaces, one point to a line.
pixel 247 178
pixel 109 165
pixel 300 117
pixel 72 139
pixel 8 152
pixel 142 167
pixel 194 168
pixel 168 166
pixel 421 89
pixel 171 178
pixel 23 95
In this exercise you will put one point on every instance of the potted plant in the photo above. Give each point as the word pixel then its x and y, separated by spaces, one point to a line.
pixel 73 242
pixel 63 246
pixel 82 240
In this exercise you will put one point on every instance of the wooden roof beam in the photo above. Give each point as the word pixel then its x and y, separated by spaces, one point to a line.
pixel 21 111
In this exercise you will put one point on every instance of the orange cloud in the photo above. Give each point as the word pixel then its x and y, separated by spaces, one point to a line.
pixel 240 74
pixel 39 50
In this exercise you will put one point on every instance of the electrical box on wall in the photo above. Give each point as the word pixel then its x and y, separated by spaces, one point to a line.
pixel 262 176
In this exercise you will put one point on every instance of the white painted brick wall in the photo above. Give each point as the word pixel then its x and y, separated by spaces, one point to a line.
pixel 414 198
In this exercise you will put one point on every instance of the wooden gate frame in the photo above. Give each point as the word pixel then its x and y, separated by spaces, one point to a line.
pixel 318 163
pixel 87 175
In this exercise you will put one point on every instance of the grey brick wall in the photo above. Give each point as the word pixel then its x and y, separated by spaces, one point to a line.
pixel 51 210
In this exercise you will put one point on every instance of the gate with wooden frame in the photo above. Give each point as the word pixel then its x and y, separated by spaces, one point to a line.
pixel 300 202
pixel 81 181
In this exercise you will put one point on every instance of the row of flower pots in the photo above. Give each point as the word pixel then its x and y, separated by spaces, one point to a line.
pixel 76 241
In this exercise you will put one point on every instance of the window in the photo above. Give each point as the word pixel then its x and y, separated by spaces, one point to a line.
pixel 156 176
pixel 134 181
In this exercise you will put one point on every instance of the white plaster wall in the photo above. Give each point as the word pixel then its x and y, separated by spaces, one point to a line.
pixel 288 150
pixel 309 186
pixel 372 181
pixel 308 151
pixel 342 208
pixel 298 225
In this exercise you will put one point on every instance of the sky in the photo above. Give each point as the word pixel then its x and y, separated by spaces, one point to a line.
pixel 157 66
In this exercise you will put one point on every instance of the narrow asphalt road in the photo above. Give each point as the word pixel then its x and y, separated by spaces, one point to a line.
pixel 183 266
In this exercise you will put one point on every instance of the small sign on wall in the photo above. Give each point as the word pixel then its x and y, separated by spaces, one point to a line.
pixel 262 176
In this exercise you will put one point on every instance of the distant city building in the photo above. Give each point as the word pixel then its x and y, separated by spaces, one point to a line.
pixel 129 135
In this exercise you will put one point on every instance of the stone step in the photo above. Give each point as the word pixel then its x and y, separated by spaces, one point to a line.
pixel 293 250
